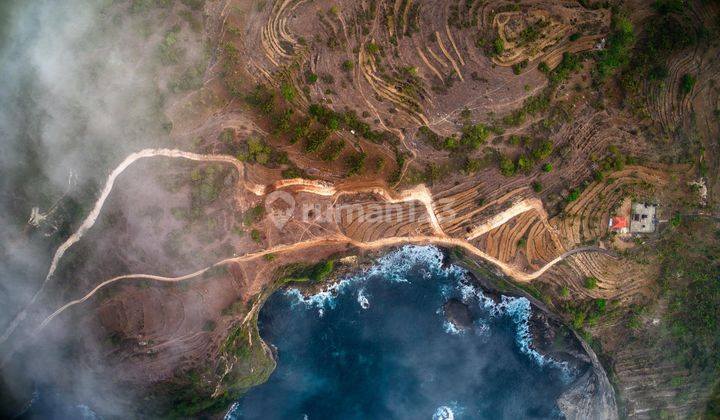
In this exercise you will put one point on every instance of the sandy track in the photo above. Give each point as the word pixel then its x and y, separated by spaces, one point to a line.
pixel 419 193
pixel 339 239
pixel 95 212
pixel 504 216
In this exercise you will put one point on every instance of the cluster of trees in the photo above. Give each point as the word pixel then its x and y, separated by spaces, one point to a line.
pixel 349 120
pixel 618 48
pixel 643 59
pixel 254 149
pixel 615 160
pixel 526 161
pixel 532 32
pixel 586 314
pixel 314 131
pixel 355 163
pixel 169 51
pixel 532 106
pixel 316 273
pixel 207 183
pixel 570 63
pixel 253 215
pixel 471 138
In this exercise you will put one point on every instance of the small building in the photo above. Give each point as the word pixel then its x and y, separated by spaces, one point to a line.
pixel 644 218
pixel 618 224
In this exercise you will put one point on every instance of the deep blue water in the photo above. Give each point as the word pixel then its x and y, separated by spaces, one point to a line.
pixel 382 348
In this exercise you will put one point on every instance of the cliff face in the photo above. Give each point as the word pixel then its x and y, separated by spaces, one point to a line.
pixel 591 396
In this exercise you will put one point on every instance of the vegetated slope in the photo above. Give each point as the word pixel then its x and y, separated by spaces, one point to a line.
pixel 566 111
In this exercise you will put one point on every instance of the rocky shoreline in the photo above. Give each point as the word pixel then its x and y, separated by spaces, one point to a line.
pixel 590 395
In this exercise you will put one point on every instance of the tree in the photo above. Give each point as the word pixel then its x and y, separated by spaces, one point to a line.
pixel 591 282
pixel 288 91
pixel 355 163
pixel 498 46
pixel 618 48
pixel 311 77
pixel 474 135
pixel 507 166
pixel 687 83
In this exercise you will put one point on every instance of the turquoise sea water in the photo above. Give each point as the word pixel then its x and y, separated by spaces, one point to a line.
pixel 378 345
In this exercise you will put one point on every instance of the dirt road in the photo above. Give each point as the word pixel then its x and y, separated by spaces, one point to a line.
pixel 418 193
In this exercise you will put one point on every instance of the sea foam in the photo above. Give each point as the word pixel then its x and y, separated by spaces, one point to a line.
pixel 396 267
pixel 363 299
pixel 519 310
pixel 448 411
pixel 233 412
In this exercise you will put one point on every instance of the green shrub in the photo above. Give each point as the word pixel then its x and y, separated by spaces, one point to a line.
pixel 507 166
pixel 311 77
pixel 519 67
pixel 574 195
pixel 669 6
pixel 355 163
pixel 498 46
pixel 619 45
pixel 287 91
pixel 473 135
pixel 687 83
pixel 590 282
pixel 601 304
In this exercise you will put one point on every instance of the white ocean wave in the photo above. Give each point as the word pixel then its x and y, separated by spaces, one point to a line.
pixel 233 412
pixel 448 411
pixel 519 310
pixel 452 329
pixel 394 267
pixel 362 299
pixel 324 298
pixel 443 413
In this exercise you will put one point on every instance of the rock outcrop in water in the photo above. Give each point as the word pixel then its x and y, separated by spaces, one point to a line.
pixel 458 313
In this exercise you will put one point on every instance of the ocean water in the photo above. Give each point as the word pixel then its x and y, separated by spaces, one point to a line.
pixel 379 346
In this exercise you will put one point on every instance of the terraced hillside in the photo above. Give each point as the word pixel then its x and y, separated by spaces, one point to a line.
pixel 515 133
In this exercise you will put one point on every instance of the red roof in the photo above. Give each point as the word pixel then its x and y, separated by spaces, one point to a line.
pixel 617 223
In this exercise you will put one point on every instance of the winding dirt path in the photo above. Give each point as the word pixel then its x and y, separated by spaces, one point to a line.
pixel 95 212
pixel 419 193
